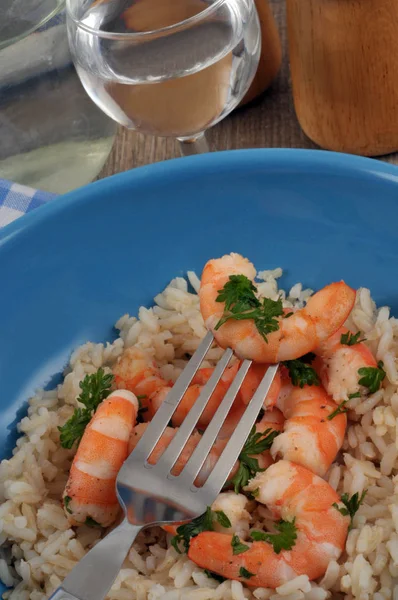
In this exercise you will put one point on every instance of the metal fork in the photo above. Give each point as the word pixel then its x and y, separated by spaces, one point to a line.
pixel 151 494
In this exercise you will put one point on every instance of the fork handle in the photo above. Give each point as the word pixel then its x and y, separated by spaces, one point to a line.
pixel 95 573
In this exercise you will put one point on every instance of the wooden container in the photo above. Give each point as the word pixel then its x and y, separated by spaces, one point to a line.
pixel 271 52
pixel 344 67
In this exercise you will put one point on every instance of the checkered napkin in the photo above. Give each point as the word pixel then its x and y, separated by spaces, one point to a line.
pixel 16 200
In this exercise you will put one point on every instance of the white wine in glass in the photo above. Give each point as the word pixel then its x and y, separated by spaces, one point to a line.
pixel 165 67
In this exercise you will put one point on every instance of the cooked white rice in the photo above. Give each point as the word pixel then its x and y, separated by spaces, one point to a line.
pixel 39 548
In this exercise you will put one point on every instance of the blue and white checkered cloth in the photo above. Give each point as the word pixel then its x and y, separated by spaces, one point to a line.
pixel 16 200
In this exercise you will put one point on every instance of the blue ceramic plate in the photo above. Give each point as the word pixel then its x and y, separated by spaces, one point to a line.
pixel 71 268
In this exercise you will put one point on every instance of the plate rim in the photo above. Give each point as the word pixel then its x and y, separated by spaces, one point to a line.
pixel 294 158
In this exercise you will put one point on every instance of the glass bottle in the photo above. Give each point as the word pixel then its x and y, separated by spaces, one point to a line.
pixel 52 136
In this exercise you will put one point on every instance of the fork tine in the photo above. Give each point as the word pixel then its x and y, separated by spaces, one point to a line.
pixel 199 455
pixel 162 417
pixel 173 450
pixel 230 454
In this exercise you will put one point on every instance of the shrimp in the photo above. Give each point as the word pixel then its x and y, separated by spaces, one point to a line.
pixel 271 420
pixel 90 490
pixel 193 393
pixel 190 446
pixel 309 438
pixel 290 492
pixel 253 379
pixel 234 506
pixel 136 371
pixel 302 332
pixel 337 365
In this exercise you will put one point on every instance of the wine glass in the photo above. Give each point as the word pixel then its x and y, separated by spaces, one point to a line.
pixel 165 67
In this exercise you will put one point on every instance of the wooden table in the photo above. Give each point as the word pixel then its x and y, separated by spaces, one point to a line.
pixel 269 122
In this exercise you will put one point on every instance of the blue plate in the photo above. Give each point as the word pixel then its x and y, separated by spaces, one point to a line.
pixel 71 268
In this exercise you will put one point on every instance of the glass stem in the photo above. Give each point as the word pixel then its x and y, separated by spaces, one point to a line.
pixel 194 145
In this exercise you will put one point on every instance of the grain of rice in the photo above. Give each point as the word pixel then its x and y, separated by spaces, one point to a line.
pixel 334 476
pixel 389 459
pixel 298 595
pixel 316 593
pixel 298 583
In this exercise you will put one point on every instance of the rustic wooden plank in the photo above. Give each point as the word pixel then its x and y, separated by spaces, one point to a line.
pixel 269 122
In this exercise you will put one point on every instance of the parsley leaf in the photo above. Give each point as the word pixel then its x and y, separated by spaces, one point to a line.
pixel 372 377
pixel 300 372
pixel 193 528
pixel 255 444
pixel 341 409
pixel 222 519
pixel 95 388
pixel 91 522
pixel 245 573
pixel 237 546
pixel 255 493
pixel 351 505
pixel 355 395
pixel 284 540
pixel 215 576
pixel 67 501
pixel 241 303
pixel 349 339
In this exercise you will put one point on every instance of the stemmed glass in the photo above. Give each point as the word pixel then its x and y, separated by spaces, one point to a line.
pixel 165 67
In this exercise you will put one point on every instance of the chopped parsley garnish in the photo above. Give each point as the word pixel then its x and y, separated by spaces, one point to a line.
pixel 222 519
pixel 141 397
pixel 215 576
pixel 67 501
pixel 255 493
pixel 256 443
pixel 351 505
pixel 237 546
pixel 241 303
pixel 340 410
pixel 300 371
pixel 350 339
pixel 91 522
pixel 284 540
pixel 245 573
pixel 372 377
pixel 95 388
pixel 193 528
pixel 287 315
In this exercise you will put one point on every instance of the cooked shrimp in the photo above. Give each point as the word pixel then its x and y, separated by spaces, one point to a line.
pixel 90 490
pixel 234 506
pixel 194 390
pixel 337 365
pixel 271 419
pixel 252 381
pixel 302 332
pixel 309 438
pixel 193 393
pixel 136 371
pixel 190 446
pixel 290 492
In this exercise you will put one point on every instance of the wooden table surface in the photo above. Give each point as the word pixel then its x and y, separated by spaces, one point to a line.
pixel 269 122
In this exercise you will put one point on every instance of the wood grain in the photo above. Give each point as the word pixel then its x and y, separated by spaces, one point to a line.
pixel 344 66
pixel 269 122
